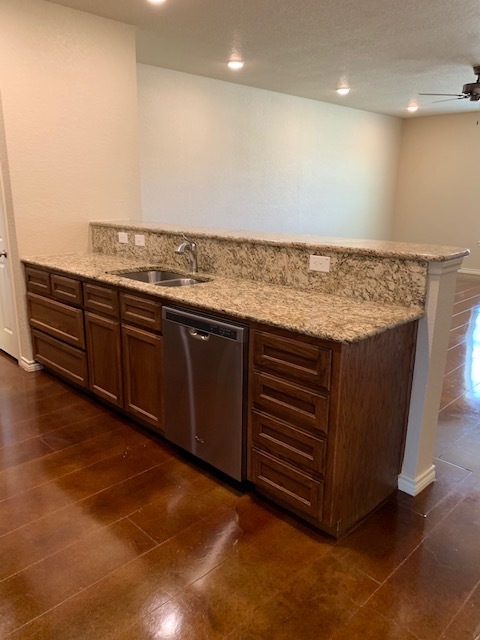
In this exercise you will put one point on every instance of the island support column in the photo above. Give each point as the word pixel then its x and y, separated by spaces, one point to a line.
pixel 418 470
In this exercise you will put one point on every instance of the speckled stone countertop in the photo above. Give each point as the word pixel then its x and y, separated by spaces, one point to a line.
pixel 321 315
pixel 379 248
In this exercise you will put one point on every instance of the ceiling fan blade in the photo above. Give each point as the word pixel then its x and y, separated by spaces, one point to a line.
pixel 450 99
pixel 458 95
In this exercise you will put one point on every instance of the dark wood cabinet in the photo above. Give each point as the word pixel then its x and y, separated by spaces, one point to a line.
pixel 64 360
pixel 101 338
pixel 66 289
pixel 102 300
pixel 58 320
pixel 104 357
pixel 58 334
pixel 327 421
pixel 142 375
pixel 37 281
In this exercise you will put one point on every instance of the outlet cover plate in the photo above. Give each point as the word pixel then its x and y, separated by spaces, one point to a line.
pixel 123 237
pixel 139 240
pixel 319 263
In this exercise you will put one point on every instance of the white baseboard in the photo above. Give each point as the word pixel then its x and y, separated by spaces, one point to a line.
pixel 413 486
pixel 29 365
pixel 470 272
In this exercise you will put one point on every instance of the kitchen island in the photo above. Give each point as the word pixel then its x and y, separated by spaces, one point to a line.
pixel 331 356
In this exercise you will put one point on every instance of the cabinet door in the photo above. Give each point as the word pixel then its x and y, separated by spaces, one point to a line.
pixel 142 365
pixel 104 358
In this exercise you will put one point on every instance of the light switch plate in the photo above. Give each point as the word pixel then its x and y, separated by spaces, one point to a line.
pixel 139 240
pixel 319 263
pixel 123 237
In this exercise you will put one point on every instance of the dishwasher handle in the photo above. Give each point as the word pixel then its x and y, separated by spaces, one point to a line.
pixel 199 335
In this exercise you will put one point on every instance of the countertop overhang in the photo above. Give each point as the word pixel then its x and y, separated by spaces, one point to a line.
pixel 311 313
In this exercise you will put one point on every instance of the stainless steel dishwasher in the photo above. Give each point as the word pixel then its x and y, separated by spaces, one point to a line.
pixel 204 383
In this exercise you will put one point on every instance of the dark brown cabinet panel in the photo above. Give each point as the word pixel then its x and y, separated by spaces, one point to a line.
pixel 287 442
pixel 291 402
pixel 56 319
pixel 37 281
pixel 363 397
pixel 142 367
pixel 66 289
pixel 101 299
pixel 297 359
pixel 66 361
pixel 289 485
pixel 141 311
pixel 104 357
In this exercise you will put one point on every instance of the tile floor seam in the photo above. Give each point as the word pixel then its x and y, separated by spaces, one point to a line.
pixel 140 555
pixel 63 548
pixel 58 451
pixel 71 424
pixel 77 593
pixel 423 540
pixel 137 526
pixel 457 613
pixel 63 475
pixel 46 413
pixel 78 501
pixel 47 445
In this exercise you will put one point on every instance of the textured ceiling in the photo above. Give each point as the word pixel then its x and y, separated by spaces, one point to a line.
pixel 387 50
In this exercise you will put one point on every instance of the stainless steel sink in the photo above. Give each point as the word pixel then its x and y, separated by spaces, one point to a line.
pixel 180 282
pixel 153 277
pixel 161 278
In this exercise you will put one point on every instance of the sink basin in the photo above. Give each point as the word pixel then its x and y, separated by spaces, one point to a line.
pixel 161 278
pixel 154 276
pixel 180 282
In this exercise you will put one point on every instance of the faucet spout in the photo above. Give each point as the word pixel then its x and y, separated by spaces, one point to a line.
pixel 189 248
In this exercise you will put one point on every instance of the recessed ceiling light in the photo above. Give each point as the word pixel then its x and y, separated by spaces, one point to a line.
pixel 156 1
pixel 343 91
pixel 235 65
pixel 412 107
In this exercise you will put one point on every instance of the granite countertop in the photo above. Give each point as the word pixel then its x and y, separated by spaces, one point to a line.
pixel 361 246
pixel 324 316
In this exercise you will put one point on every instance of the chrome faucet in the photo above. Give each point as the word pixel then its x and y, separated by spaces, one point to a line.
pixel 189 248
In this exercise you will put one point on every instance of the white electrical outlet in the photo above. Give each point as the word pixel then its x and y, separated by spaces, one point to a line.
pixel 319 263
pixel 123 237
pixel 139 240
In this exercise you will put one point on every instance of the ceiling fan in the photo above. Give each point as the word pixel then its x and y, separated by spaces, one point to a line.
pixel 470 90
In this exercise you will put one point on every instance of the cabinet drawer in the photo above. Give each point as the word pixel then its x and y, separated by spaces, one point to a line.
pixel 142 311
pixel 66 289
pixel 37 281
pixel 66 361
pixel 56 319
pixel 289 443
pixel 297 360
pixel 101 299
pixel 292 403
pixel 289 485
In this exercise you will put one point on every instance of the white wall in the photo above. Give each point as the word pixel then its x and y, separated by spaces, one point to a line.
pixel 69 140
pixel 438 183
pixel 68 82
pixel 223 155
